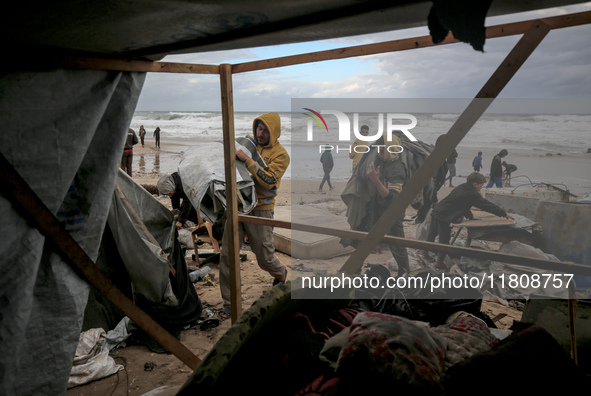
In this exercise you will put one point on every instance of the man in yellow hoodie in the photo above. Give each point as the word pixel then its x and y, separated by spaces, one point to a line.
pixel 267 173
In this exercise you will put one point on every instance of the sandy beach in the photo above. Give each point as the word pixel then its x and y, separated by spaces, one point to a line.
pixel 148 165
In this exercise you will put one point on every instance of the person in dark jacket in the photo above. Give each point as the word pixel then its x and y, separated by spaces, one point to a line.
pixel 327 165
pixel 127 157
pixel 172 186
pixel 456 206
pixel 157 136
pixel 496 170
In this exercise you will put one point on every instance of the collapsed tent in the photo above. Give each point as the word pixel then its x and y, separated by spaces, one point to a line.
pixel 64 133
pixel 141 254
pixel 71 164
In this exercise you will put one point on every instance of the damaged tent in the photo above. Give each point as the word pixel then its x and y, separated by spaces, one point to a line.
pixel 203 176
pixel 71 164
pixel 141 254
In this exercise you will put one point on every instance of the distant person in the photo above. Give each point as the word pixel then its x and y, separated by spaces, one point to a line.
pixel 171 185
pixel 157 136
pixel 509 168
pixel 127 157
pixel 456 206
pixel 496 170
pixel 356 156
pixel 477 162
pixel 327 165
pixel 142 134
pixel 451 166
pixel 267 176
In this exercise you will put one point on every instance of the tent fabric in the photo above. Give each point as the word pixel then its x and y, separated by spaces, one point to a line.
pixel 144 258
pixel 204 180
pixel 92 359
pixel 63 132
pixel 138 249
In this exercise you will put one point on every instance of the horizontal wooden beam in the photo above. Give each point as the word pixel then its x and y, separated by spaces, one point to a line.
pixel 72 62
pixel 569 268
pixel 503 30
pixel 508 29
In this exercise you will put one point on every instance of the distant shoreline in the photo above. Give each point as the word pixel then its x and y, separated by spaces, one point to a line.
pixel 565 170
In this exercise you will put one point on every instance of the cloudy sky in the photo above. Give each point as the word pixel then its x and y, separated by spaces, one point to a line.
pixel 559 68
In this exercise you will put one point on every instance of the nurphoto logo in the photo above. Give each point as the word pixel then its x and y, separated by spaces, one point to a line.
pixel 392 121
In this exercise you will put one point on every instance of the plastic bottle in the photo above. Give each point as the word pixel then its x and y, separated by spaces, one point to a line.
pixel 196 276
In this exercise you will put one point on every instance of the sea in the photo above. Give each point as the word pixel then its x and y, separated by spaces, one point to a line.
pixel 564 137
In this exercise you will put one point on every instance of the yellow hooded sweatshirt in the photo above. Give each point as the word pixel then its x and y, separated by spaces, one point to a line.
pixel 267 181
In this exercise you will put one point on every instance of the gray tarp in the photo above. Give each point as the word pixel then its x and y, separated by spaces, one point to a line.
pixel 141 239
pixel 63 131
pixel 204 181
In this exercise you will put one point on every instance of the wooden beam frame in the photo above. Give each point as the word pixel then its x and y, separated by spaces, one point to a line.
pixel 231 197
pixel 578 269
pixel 496 31
pixel 49 225
pixel 500 78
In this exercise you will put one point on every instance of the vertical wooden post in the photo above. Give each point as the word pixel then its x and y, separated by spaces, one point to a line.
pixel 231 196
pixel 500 78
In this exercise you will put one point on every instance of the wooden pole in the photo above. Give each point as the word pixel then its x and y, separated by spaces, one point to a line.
pixel 567 268
pixel 231 196
pixel 504 30
pixel 522 50
pixel 16 189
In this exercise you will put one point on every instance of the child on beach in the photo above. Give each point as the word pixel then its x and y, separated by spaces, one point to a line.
pixel 509 168
pixel 477 162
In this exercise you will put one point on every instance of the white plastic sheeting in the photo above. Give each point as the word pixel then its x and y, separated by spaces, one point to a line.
pixel 63 131
pixel 92 360
pixel 204 181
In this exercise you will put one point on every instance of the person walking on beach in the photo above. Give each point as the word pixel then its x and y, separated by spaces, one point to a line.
pixel 267 179
pixel 356 155
pixel 451 165
pixel 327 165
pixel 127 157
pixel 387 174
pixel 456 206
pixel 142 134
pixel 496 170
pixel 509 168
pixel 172 186
pixel 477 162
pixel 157 136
